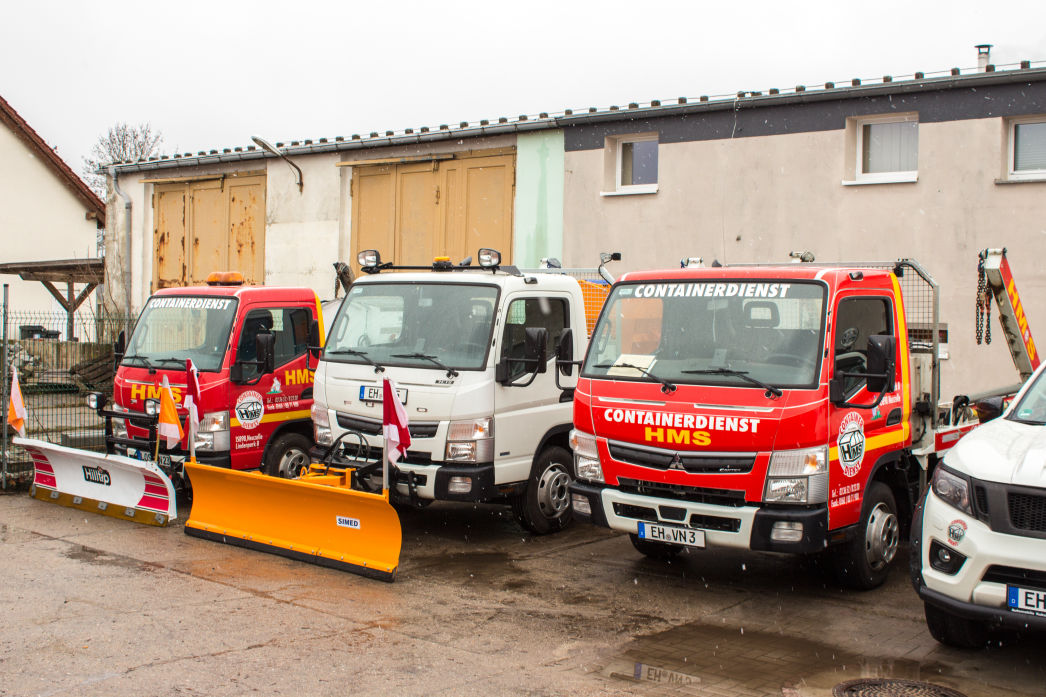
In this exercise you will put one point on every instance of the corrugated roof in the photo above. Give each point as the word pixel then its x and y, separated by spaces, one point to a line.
pixel 75 184
pixel 744 99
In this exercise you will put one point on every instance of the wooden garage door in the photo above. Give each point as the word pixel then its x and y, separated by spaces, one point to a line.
pixel 206 226
pixel 412 212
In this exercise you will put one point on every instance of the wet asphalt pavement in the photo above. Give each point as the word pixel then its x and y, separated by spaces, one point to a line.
pixel 90 605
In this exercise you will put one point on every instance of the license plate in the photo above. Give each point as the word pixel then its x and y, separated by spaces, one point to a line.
pixel 1026 600
pixel 373 393
pixel 669 533
pixel 169 460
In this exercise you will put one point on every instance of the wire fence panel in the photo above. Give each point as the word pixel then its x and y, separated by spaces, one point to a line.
pixel 55 376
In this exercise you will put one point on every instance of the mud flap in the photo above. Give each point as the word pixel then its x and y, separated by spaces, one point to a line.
pixel 113 485
pixel 318 518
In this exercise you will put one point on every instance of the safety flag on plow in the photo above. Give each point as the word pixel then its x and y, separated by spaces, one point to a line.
pixel 169 426
pixel 17 416
pixel 394 423
pixel 191 403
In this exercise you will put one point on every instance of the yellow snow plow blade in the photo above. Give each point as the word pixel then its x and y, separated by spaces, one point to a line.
pixel 318 518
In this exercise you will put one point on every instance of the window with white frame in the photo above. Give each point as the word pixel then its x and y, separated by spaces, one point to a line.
pixel 634 159
pixel 887 149
pixel 1027 148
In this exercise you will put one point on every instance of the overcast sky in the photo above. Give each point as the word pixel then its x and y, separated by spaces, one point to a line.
pixel 210 74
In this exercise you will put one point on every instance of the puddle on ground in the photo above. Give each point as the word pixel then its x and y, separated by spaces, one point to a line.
pixel 98 557
pixel 699 659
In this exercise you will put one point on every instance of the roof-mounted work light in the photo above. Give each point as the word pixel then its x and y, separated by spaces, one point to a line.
pixel 489 257
pixel 368 258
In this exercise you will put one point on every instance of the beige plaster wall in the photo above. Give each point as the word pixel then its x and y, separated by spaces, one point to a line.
pixel 756 199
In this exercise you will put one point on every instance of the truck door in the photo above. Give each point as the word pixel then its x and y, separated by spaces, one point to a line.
pixel 858 437
pixel 523 414
pixel 260 409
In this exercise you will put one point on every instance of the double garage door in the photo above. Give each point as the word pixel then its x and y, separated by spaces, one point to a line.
pixel 413 211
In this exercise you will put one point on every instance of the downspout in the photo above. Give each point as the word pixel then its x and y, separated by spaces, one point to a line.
pixel 127 225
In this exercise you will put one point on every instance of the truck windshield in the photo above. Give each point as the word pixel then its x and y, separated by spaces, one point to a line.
pixel 727 332
pixel 1032 407
pixel 414 325
pixel 173 328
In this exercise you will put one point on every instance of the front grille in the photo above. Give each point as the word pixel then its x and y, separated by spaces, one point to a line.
pixel 980 498
pixel 372 427
pixel 626 510
pixel 713 522
pixel 693 463
pixel 1013 576
pixel 679 492
pixel 1027 511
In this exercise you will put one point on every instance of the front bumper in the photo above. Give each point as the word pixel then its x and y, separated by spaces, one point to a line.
pixel 978 589
pixel 740 527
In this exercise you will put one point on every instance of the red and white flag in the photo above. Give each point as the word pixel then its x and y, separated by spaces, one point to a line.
pixel 191 403
pixel 394 423
pixel 169 426
pixel 17 416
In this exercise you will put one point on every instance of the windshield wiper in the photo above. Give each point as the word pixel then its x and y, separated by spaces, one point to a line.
pixel 172 359
pixel 743 374
pixel 451 373
pixel 362 354
pixel 666 386
pixel 137 357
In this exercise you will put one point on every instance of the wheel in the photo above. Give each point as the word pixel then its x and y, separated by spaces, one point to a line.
pixel 953 630
pixel 288 456
pixel 544 506
pixel 655 550
pixel 863 562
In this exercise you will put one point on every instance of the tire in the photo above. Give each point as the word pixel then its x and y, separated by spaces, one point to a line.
pixel 864 562
pixel 655 550
pixel 287 455
pixel 544 506
pixel 952 630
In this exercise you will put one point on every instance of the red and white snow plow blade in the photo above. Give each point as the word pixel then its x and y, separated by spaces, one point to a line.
pixel 113 485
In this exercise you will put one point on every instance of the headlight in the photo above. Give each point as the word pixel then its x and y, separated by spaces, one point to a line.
pixel 471 440
pixel 120 425
pixel 321 425
pixel 152 407
pixel 952 489
pixel 797 476
pixel 213 435
pixel 586 456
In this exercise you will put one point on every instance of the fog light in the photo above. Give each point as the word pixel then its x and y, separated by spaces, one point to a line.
pixel 945 560
pixel 152 407
pixel 787 531
pixel 944 555
pixel 581 504
pixel 459 485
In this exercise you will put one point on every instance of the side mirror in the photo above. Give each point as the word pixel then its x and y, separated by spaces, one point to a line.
pixel 565 352
pixel 119 347
pixel 266 352
pixel 535 348
pixel 314 338
pixel 881 349
pixel 236 373
pixel 989 408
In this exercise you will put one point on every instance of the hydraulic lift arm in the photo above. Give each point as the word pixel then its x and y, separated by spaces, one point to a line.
pixel 994 273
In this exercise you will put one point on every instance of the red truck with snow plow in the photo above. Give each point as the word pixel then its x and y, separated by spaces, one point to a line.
pixel 789 408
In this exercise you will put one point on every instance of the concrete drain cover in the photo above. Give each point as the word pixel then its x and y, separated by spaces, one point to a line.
pixel 888 687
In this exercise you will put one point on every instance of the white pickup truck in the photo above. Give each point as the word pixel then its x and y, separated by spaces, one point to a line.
pixel 472 351
pixel 978 556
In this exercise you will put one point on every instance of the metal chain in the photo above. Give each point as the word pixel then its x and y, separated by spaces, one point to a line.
pixel 984 306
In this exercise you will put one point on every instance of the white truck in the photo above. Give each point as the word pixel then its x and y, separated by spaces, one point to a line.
pixel 978 546
pixel 469 349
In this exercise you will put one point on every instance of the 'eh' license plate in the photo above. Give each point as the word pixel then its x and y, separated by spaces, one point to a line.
pixel 373 393
pixel 672 534
pixel 1026 600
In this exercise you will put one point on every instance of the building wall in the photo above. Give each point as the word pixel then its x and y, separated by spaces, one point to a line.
pixel 538 224
pixel 40 220
pixel 755 199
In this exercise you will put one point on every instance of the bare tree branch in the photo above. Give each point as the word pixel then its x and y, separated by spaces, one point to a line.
pixel 123 143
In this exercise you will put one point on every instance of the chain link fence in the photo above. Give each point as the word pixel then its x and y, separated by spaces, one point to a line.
pixel 55 373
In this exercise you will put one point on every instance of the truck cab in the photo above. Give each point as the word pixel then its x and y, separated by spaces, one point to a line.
pixel 254 409
pixel 763 408
pixel 470 350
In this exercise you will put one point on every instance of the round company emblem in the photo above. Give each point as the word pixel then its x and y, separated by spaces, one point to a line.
pixel 851 443
pixel 250 409
pixel 956 531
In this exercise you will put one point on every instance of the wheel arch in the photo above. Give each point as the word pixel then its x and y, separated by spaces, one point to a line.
pixel 300 426
pixel 898 470
pixel 558 435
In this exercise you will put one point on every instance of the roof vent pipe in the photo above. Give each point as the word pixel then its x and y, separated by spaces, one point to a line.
pixel 983 57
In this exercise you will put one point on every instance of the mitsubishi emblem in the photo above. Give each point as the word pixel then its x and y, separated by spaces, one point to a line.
pixel 676 463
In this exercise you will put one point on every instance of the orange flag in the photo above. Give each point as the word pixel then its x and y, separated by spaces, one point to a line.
pixel 169 426
pixel 17 416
